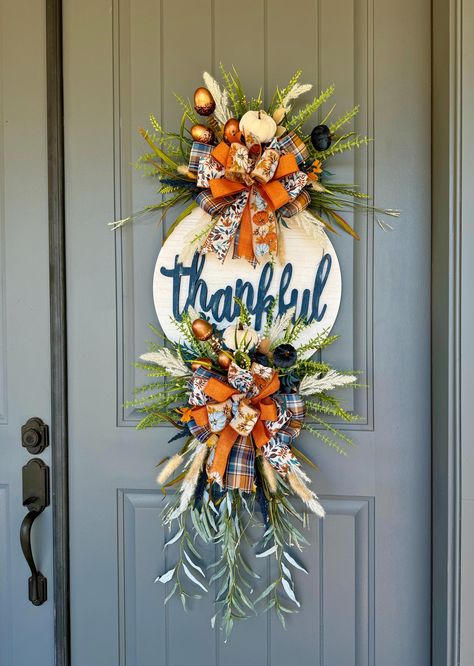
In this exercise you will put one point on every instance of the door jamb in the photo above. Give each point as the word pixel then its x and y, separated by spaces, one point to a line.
pixel 446 330
pixel 58 331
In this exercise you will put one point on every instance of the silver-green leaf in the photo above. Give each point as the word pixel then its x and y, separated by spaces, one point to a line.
pixel 166 577
pixel 292 561
pixel 193 578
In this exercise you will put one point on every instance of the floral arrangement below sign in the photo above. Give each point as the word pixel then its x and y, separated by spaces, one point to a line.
pixel 240 399
pixel 253 169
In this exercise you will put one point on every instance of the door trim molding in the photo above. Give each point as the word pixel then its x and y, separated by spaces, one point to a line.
pixel 446 330
pixel 58 331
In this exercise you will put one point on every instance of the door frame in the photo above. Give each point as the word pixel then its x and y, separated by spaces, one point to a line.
pixel 446 365
pixel 58 332
pixel 447 90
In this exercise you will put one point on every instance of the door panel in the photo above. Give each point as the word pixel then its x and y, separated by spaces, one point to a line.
pixel 146 79
pixel 26 631
pixel 338 595
pixel 367 600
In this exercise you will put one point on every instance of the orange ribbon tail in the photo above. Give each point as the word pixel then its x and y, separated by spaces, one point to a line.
pixel 224 445
pixel 245 245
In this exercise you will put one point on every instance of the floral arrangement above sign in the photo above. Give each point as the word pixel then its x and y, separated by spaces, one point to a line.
pixel 252 170
pixel 239 399
pixel 247 287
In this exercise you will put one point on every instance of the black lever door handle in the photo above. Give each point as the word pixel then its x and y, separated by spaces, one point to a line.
pixel 37 583
pixel 36 499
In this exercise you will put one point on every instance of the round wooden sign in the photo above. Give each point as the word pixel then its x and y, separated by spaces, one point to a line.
pixel 307 277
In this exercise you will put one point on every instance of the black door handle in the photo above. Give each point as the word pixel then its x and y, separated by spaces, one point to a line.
pixel 36 499
pixel 37 583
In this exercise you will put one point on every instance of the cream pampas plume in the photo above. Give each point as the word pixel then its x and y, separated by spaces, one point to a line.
pixel 296 91
pixel 221 98
pixel 188 486
pixel 311 384
pixel 170 362
pixel 171 466
pixel 296 478
pixel 279 326
pixel 193 314
pixel 311 226
pixel 269 474
pixel 194 239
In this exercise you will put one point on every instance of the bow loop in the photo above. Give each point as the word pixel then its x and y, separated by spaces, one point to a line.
pixel 247 186
pixel 246 411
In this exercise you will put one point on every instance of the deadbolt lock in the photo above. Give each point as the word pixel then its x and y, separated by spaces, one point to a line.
pixel 34 436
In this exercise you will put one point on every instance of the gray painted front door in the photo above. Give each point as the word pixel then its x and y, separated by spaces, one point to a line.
pixel 26 631
pixel 367 600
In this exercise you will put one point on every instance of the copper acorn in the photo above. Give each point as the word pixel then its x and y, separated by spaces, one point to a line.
pixel 202 329
pixel 224 359
pixel 202 134
pixel 201 362
pixel 232 132
pixel 264 346
pixel 204 102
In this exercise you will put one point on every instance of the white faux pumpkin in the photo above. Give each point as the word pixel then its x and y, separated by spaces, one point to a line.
pixel 260 124
pixel 238 336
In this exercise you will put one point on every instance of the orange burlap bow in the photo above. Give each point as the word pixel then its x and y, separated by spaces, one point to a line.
pixel 256 223
pixel 261 405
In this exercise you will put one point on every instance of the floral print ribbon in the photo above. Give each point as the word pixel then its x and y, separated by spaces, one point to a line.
pixel 244 189
pixel 246 411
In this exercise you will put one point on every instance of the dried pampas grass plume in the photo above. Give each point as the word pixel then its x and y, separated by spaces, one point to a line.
pixel 311 384
pixel 221 98
pixel 296 91
pixel 195 465
pixel 311 225
pixel 296 478
pixel 166 359
pixel 194 239
pixel 269 475
pixel 171 466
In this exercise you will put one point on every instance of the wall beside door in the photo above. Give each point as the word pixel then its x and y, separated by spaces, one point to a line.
pixel 26 631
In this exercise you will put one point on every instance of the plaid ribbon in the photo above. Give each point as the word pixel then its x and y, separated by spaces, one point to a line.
pixel 297 205
pixel 291 143
pixel 240 470
pixel 212 206
pixel 278 450
pixel 198 150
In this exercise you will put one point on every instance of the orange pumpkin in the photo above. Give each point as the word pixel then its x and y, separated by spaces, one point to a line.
pixel 261 217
